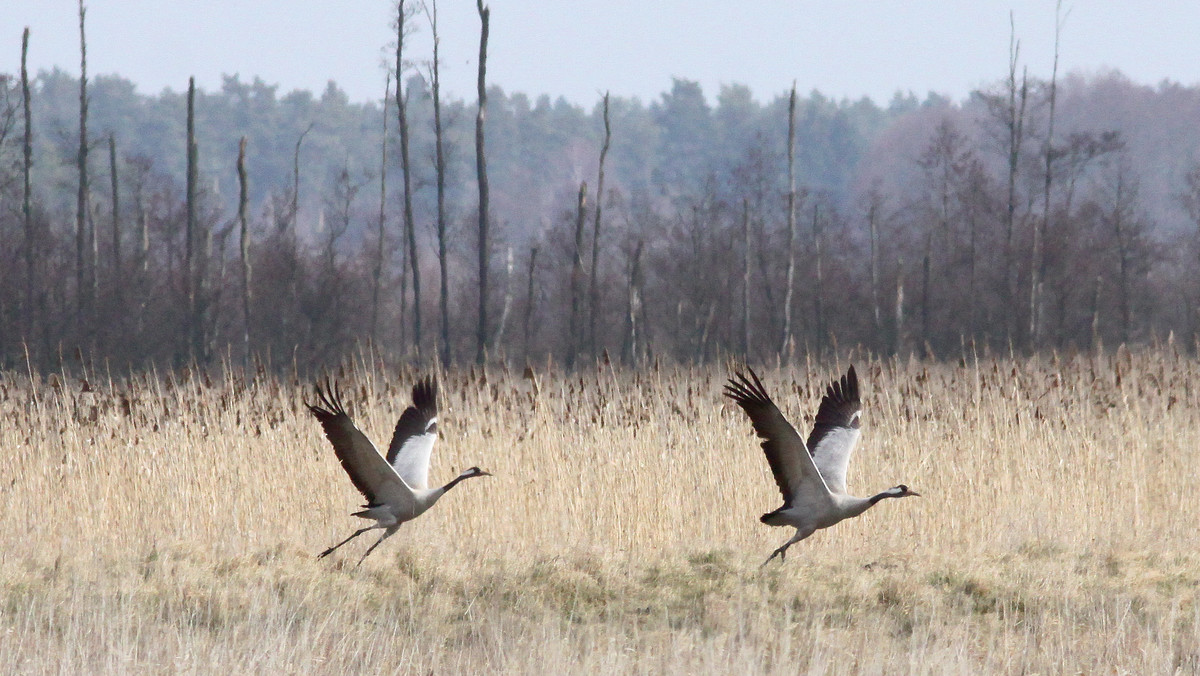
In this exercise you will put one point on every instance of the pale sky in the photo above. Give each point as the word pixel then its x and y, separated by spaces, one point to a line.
pixel 579 48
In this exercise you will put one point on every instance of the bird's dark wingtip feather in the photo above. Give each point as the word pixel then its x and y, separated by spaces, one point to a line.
pixel 329 401
pixel 424 394
pixel 747 390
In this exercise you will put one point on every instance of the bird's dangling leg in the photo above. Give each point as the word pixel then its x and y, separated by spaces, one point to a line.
pixel 781 553
pixel 386 534
pixel 356 533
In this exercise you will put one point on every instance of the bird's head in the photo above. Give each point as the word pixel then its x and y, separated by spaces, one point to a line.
pixel 473 472
pixel 902 491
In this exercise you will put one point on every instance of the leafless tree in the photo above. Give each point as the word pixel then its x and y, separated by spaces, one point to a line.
pixel 575 327
pixel 27 191
pixel 527 325
pixel 244 249
pixel 594 273
pixel 190 266
pixel 631 350
pixel 481 331
pixel 874 209
pixel 83 280
pixel 440 167
pixel 410 236
pixel 114 183
pixel 380 234
pixel 1037 262
pixel 792 234
pixel 818 278
pixel 746 338
pixel 506 308
pixel 1007 109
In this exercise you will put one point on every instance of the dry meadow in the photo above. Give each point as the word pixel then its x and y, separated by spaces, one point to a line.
pixel 169 523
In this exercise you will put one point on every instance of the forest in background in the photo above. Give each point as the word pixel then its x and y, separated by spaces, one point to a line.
pixel 1040 213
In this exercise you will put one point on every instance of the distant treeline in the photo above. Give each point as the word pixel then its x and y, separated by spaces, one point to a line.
pixel 920 226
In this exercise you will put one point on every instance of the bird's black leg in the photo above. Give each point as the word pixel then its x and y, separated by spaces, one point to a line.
pixel 356 533
pixel 386 534
pixel 781 553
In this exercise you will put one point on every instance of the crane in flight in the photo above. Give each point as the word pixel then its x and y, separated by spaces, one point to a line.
pixel 396 488
pixel 812 476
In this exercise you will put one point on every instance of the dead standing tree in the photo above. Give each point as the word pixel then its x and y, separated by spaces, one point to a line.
pixel 377 261
pixel 439 158
pixel 874 209
pixel 84 286
pixel 244 250
pixel 527 325
pixel 785 347
pixel 114 184
pixel 26 194
pixel 746 278
pixel 631 349
pixel 190 282
pixel 594 286
pixel 574 328
pixel 409 234
pixel 482 180
pixel 1037 257
pixel 1013 119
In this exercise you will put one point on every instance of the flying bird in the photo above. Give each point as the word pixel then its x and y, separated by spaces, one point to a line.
pixel 812 476
pixel 396 488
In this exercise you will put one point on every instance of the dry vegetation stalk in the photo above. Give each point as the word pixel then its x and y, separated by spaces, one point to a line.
pixel 170 524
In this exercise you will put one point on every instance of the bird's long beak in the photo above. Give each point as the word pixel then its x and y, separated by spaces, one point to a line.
pixel 914 494
pixel 484 472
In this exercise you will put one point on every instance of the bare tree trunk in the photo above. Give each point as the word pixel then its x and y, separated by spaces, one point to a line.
pixel 116 220
pixel 1015 122
pixel 440 165
pixel 1096 312
pixel 873 227
pixel 746 278
pixel 405 166
pixel 1119 227
pixel 142 262
pixel 819 278
pixel 481 173
pixel 83 288
pixel 594 286
pixel 244 250
pixel 291 238
pixel 898 338
pixel 189 284
pixel 791 223
pixel 926 289
pixel 577 277
pixel 498 339
pixel 631 350
pixel 1039 230
pixel 27 191
pixel 527 325
pixel 295 206
pixel 377 264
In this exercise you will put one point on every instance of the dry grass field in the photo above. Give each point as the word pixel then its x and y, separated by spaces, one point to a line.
pixel 170 524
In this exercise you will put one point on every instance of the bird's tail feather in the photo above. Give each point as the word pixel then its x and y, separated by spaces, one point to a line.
pixel 773 518
pixel 377 512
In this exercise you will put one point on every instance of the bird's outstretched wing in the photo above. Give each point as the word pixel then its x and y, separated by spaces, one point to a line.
pixel 416 432
pixel 798 478
pixel 836 430
pixel 368 470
